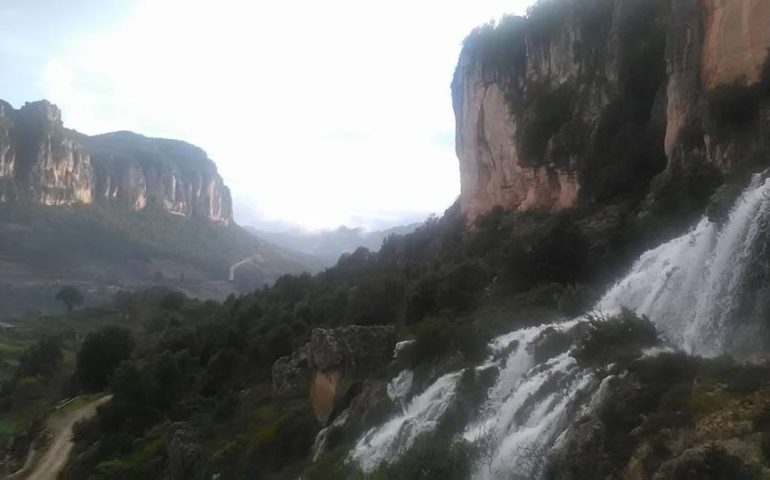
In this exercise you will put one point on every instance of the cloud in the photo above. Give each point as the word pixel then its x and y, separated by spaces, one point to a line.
pixel 317 113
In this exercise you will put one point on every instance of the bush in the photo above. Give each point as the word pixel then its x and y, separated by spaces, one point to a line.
pixel 441 336
pixel 43 358
pixel 100 353
pixel 374 300
pixel 28 388
pixel 461 286
pixel 619 339
pixel 575 300
pixel 421 298
pixel 715 464
pixel 70 296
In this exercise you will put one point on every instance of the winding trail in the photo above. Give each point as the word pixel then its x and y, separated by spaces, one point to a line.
pixel 60 425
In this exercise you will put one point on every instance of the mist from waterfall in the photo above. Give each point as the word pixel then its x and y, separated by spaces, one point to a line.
pixel 703 291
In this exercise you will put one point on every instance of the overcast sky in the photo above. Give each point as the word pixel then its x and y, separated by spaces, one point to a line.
pixel 318 113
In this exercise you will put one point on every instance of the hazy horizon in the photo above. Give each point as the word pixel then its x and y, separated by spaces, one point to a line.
pixel 353 128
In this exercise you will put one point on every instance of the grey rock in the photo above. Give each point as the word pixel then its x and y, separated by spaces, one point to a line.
pixel 353 347
pixel 291 374
pixel 186 455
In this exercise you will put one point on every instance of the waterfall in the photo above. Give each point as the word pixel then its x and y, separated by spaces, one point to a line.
pixel 690 287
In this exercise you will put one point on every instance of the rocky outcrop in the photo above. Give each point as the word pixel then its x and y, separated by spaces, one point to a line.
pixel 333 365
pixel 43 162
pixel 581 102
pixel 341 357
pixel 291 374
pixel 186 453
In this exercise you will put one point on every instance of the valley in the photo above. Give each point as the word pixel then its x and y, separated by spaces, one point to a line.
pixel 594 305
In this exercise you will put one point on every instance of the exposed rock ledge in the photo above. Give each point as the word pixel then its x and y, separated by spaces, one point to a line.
pixel 332 363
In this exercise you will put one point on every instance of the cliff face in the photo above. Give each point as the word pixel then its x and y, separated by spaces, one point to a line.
pixel 42 161
pixel 584 101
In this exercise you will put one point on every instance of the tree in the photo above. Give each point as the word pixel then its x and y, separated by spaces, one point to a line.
pixel 101 352
pixel 41 359
pixel 70 296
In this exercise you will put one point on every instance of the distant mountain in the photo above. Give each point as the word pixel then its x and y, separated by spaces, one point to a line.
pixel 43 162
pixel 328 245
pixel 114 211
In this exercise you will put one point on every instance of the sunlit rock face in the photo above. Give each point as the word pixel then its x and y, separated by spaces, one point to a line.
pixel 736 41
pixel 43 162
pixel 39 160
pixel 586 101
pixel 7 153
pixel 137 171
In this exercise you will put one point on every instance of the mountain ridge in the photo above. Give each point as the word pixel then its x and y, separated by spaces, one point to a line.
pixel 42 161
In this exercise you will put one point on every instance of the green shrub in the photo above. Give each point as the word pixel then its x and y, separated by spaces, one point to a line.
pixel 28 388
pixel 100 353
pixel 43 358
pixel 748 378
pixel 715 464
pixel 461 286
pixel 619 339
pixel 440 336
pixel 575 300
pixel 374 300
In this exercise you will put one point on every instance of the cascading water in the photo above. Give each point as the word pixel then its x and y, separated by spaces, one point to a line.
pixel 690 287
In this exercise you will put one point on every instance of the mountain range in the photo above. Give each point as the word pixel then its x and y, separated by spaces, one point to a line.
pixel 115 210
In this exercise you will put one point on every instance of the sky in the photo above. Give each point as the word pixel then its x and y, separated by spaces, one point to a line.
pixel 317 113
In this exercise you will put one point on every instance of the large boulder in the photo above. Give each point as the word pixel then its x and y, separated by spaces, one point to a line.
pixel 334 365
pixel 354 348
pixel 186 455
pixel 342 358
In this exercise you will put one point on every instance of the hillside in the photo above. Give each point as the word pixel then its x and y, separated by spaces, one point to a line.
pixel 114 211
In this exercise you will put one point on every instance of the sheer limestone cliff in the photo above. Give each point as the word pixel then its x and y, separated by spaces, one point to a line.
pixel 43 162
pixel 581 102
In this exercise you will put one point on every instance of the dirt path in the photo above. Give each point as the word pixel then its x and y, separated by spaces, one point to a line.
pixel 55 457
